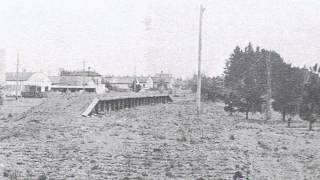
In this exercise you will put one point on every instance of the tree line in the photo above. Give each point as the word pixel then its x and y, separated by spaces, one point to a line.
pixel 295 90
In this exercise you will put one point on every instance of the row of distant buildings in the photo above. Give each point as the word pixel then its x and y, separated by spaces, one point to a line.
pixel 88 81
pixel 160 80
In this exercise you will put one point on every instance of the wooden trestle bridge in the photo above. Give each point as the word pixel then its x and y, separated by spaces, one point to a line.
pixel 105 105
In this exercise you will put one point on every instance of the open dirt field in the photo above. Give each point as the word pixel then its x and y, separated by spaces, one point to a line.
pixel 164 141
pixel 14 107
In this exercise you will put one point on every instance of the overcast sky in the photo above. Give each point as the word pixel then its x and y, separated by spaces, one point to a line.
pixel 114 37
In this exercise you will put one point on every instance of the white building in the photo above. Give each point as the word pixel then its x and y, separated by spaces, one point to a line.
pixel 26 81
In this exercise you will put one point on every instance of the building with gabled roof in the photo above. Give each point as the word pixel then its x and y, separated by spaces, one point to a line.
pixel 24 81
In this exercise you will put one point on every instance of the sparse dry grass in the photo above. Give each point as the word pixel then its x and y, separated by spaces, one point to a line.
pixel 164 141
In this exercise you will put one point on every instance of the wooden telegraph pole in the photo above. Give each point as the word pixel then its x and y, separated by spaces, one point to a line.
pixel 198 95
pixel 268 114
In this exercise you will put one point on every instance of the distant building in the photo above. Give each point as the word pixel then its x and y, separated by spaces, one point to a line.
pixel 145 82
pixel 25 81
pixel 178 83
pixel 162 80
pixel 94 76
pixel 55 80
pixel 73 81
pixel 159 80
pixel 126 82
pixel 163 75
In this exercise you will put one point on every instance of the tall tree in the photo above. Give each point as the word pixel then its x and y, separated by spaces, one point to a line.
pixel 287 90
pixel 310 106
pixel 243 79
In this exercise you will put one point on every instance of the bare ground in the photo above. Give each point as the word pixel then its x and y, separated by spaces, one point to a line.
pixel 15 107
pixel 164 141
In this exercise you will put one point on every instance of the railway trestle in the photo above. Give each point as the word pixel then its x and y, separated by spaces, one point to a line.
pixel 105 105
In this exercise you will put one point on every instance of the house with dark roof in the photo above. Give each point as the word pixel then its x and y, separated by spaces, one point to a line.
pixel 25 81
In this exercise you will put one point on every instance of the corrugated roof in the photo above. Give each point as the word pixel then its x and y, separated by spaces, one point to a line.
pixel 22 76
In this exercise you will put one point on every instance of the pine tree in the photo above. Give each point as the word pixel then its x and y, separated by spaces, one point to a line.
pixel 243 80
pixel 310 107
pixel 287 90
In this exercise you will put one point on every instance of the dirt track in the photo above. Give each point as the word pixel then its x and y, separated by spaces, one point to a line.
pixel 165 141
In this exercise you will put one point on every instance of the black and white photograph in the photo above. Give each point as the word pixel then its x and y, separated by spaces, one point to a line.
pixel 159 90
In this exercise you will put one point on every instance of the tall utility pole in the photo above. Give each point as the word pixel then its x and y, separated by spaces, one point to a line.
pixel 198 96
pixel 17 75
pixel 268 114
